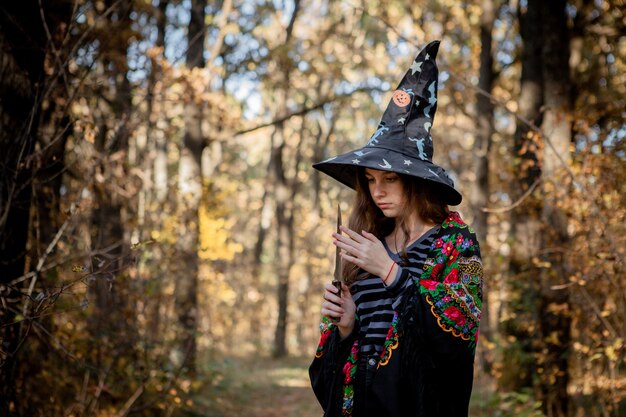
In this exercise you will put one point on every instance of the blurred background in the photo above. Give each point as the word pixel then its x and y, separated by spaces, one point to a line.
pixel 164 239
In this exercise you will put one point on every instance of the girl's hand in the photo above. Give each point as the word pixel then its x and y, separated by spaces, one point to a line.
pixel 365 251
pixel 339 306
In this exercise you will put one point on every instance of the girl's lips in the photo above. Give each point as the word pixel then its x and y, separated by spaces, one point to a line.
pixel 383 205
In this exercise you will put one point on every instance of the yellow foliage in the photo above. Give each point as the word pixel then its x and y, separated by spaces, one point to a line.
pixel 167 233
pixel 215 229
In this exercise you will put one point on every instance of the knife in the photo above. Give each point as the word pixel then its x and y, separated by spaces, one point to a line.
pixel 337 276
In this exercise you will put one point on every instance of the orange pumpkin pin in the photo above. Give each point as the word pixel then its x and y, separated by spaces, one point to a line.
pixel 401 98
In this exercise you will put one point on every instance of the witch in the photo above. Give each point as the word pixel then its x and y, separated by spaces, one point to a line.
pixel 399 338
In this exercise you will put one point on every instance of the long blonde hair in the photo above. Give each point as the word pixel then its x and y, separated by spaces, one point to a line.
pixel 422 197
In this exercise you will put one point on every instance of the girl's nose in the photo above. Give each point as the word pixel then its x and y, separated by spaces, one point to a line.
pixel 379 189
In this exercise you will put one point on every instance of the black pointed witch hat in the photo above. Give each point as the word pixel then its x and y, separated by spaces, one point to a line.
pixel 402 143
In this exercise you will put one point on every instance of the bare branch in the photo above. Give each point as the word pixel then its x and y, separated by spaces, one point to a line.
pixel 306 110
pixel 515 204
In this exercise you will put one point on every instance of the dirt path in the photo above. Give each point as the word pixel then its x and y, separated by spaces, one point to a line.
pixel 265 387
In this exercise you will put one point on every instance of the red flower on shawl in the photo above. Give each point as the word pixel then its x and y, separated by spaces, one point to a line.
pixel 447 248
pixel 459 240
pixel 454 217
pixel 324 337
pixel 436 270
pixel 453 257
pixel 452 277
pixel 455 315
pixel 429 284
pixel 346 371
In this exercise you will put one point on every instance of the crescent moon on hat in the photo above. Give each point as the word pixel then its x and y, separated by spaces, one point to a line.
pixel 387 165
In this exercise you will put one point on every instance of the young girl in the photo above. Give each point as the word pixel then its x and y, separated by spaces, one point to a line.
pixel 399 339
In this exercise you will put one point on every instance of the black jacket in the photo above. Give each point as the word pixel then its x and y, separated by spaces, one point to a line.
pixel 426 368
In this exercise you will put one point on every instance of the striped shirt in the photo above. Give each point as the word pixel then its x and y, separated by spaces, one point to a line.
pixel 376 303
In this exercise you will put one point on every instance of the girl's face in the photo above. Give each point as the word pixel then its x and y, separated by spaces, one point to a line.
pixel 387 191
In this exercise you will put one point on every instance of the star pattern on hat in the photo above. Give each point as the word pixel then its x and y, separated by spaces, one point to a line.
pixel 407 162
pixel 416 67
pixel 356 161
pixel 401 120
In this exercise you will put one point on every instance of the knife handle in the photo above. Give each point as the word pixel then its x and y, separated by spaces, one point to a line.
pixel 337 285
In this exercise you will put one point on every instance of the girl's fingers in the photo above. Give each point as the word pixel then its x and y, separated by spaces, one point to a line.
pixel 331 294
pixel 350 249
pixel 331 310
pixel 345 240
pixel 333 298
pixel 354 260
pixel 353 235
pixel 330 287
pixel 369 236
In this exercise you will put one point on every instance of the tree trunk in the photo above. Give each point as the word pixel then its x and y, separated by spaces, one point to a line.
pixel 522 286
pixel 160 141
pixel 22 56
pixel 283 243
pixel 479 197
pixel 112 322
pixel 46 217
pixel 484 122
pixel 265 221
pixel 190 194
pixel 555 323
pixel 18 74
pixel 158 145
pixel 284 207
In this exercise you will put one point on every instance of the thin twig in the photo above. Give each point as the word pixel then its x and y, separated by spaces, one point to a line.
pixel 41 261
pixel 129 403
pixel 515 204
pixel 596 310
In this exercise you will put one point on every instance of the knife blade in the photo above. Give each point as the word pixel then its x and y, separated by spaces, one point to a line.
pixel 337 275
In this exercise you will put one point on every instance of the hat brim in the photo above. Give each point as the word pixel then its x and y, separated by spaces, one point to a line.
pixel 344 169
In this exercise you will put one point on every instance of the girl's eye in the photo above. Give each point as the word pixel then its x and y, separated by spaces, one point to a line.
pixel 391 179
pixel 370 179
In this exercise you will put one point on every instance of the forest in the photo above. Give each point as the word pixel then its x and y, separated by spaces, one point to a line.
pixel 164 240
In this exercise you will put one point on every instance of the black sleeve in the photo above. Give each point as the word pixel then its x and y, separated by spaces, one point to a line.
pixel 325 372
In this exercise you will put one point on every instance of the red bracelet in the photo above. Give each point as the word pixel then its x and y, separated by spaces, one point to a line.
pixel 390 269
